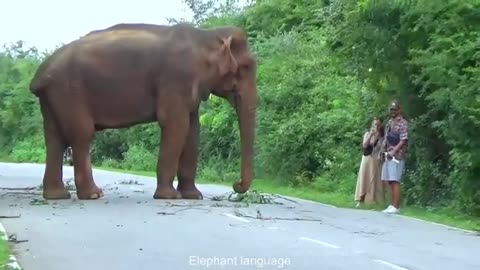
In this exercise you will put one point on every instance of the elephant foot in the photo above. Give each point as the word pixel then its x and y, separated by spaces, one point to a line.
pixel 191 193
pixel 168 193
pixel 57 193
pixel 91 193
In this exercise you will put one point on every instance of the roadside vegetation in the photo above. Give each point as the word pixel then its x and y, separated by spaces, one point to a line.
pixel 4 254
pixel 325 69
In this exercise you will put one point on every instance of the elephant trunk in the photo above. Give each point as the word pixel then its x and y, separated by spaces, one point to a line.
pixel 245 106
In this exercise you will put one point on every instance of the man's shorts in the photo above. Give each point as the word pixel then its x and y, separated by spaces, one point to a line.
pixel 392 171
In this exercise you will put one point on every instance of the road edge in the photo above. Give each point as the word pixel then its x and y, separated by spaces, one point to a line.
pixel 399 215
pixel 12 262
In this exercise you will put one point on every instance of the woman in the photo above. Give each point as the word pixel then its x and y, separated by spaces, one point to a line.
pixel 369 185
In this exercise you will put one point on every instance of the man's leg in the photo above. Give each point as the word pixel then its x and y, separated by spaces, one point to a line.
pixel 393 176
pixel 396 184
pixel 390 191
pixel 386 183
pixel 395 191
pixel 390 175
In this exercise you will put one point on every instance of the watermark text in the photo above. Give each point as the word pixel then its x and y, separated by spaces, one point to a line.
pixel 259 262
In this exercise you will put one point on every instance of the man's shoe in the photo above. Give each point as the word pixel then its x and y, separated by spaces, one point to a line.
pixel 387 209
pixel 391 210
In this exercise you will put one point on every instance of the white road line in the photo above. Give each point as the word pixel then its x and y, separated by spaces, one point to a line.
pixel 235 217
pixel 325 244
pixel 394 266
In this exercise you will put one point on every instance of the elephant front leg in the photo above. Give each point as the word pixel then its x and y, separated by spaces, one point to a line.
pixel 187 167
pixel 53 186
pixel 173 136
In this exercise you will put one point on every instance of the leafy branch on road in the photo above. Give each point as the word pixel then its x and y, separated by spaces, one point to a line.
pixel 70 184
pixel 250 197
pixel 130 182
pixel 39 202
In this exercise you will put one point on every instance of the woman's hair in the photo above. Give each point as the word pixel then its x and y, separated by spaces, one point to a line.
pixel 381 130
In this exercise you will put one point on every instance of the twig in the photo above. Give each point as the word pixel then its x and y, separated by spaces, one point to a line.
pixel 165 213
pixel 179 210
pixel 13 239
pixel 26 188
pixel 22 193
pixel 17 241
pixel 10 216
pixel 274 218
pixel 182 205
pixel 281 197
pixel 189 208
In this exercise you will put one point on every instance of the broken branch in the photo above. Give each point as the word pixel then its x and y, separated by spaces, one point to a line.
pixel 25 188
pixel 179 210
pixel 281 197
pixel 238 214
pixel 10 216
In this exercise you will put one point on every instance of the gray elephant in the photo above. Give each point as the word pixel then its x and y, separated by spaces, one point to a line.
pixel 131 74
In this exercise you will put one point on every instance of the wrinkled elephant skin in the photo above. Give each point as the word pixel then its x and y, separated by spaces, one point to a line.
pixel 131 74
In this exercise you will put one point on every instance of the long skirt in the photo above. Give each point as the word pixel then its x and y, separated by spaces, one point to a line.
pixel 369 183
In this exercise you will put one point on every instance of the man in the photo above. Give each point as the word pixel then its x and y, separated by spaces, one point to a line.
pixel 396 139
pixel 67 156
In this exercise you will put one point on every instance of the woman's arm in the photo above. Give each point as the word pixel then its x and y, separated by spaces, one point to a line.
pixel 366 139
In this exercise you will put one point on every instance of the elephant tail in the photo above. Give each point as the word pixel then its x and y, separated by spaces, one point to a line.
pixel 39 82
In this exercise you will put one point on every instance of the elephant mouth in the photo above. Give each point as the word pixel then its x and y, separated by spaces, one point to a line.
pixel 234 98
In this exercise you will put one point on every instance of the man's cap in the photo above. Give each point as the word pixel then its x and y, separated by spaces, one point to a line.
pixel 394 104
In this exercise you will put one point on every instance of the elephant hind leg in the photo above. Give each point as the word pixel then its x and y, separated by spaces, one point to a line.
pixel 84 134
pixel 187 167
pixel 75 127
pixel 53 186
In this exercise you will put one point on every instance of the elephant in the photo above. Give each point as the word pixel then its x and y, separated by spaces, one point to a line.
pixel 136 73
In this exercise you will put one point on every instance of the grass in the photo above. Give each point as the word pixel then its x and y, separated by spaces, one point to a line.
pixel 4 249
pixel 4 253
pixel 438 215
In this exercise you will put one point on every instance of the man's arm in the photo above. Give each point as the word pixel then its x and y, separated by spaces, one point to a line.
pixel 398 146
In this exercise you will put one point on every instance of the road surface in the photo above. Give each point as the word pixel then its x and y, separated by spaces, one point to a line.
pixel 127 229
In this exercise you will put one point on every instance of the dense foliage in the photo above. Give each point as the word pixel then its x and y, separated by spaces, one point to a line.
pixel 325 69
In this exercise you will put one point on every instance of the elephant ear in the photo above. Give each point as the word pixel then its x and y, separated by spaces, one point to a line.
pixel 226 61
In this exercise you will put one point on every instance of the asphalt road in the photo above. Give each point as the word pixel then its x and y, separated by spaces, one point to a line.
pixel 127 229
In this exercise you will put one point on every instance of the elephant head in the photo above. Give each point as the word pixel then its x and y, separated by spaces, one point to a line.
pixel 236 82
